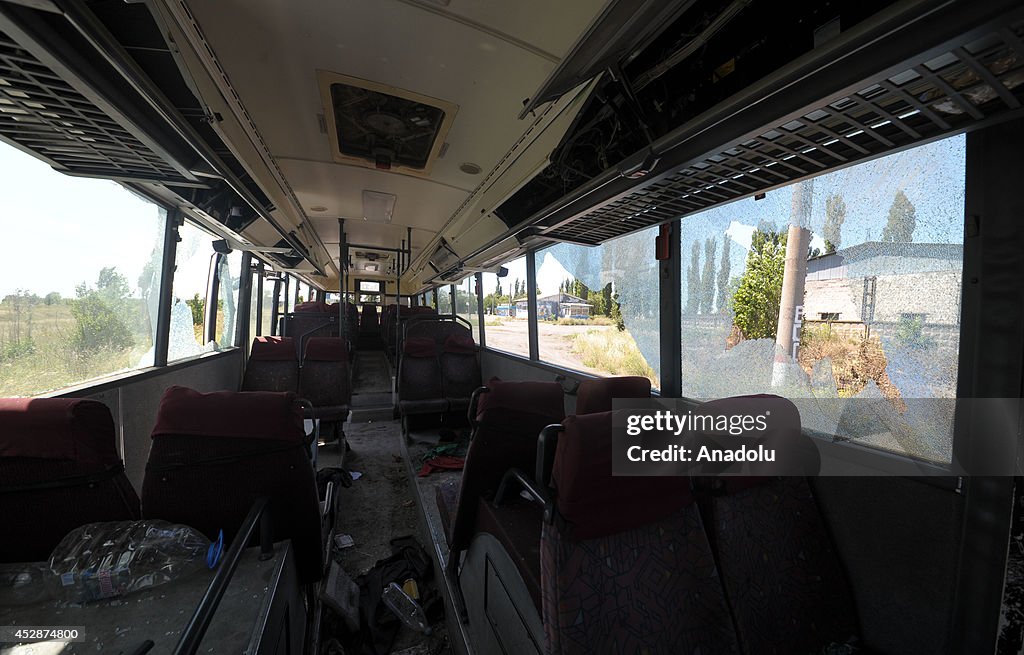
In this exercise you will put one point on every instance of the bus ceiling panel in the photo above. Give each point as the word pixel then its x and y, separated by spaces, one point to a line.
pixel 420 202
pixel 483 71
pixel 954 70
pixel 63 104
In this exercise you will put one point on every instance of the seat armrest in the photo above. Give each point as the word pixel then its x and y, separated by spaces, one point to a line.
pixel 547 441
pixel 537 493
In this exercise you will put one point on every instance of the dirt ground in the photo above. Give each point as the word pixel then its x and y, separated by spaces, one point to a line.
pixel 555 341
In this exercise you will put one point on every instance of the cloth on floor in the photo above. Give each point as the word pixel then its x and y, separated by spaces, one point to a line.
pixel 454 449
pixel 442 463
pixel 379 625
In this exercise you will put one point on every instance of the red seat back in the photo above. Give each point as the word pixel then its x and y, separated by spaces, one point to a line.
pixel 273 365
pixel 596 395
pixel 214 454
pixel 59 469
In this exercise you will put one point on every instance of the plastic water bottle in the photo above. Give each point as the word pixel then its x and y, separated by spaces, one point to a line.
pixel 405 608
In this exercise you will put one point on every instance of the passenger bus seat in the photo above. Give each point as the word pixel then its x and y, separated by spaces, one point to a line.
pixel 59 469
pixel 420 390
pixel 214 454
pixel 460 370
pixel 273 365
pixel 626 566
pixel 596 394
pixel 782 575
pixel 324 381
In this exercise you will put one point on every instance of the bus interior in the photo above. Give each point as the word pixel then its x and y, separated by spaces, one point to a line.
pixel 341 301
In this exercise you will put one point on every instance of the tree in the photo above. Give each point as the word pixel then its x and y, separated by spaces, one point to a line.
pixel 52 298
pixel 902 220
pixel 723 276
pixel 835 215
pixel 707 279
pixel 755 304
pixel 100 315
pixel 198 307
pixel 693 280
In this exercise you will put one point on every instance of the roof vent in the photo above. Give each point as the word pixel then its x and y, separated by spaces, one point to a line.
pixel 383 127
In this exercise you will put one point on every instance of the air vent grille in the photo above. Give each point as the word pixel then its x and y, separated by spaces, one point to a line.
pixel 44 114
pixel 969 86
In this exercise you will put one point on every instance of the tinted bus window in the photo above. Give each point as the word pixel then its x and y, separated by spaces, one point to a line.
pixel 597 308
pixel 875 323
pixel 79 279
pixel 505 315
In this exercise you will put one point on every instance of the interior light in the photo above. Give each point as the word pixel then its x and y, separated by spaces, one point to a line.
pixel 378 207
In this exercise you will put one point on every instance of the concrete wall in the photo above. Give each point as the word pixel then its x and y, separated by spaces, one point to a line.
pixel 937 295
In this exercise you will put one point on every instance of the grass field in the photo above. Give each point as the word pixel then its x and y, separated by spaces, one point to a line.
pixel 37 353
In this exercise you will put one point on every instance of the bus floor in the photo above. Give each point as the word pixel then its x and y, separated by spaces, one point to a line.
pixel 379 505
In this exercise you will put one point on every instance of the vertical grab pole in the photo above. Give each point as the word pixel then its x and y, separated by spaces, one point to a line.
pixel 342 267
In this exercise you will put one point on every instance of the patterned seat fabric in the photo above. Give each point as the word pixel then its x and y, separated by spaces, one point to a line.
pixel 626 567
pixel 214 454
pixel 596 395
pixel 59 469
pixel 782 577
pixel 273 365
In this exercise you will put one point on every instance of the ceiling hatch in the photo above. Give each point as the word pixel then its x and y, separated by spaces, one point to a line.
pixel 383 127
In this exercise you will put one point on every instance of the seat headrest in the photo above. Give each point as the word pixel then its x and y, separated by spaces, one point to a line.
pixel 783 434
pixel 240 414
pixel 528 397
pixel 326 349
pixel 75 429
pixel 595 395
pixel 272 349
pixel 419 347
pixel 312 306
pixel 595 503
pixel 460 344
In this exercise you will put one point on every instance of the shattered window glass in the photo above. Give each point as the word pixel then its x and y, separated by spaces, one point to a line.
pixel 505 309
pixel 862 328
pixel 466 304
pixel 597 307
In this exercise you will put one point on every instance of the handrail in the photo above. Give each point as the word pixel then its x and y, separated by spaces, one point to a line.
pixel 194 632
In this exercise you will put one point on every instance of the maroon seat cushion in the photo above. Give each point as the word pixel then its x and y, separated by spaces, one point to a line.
pixel 595 395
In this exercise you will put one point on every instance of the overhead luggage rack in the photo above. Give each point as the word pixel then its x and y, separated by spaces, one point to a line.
pixel 730 152
pixel 42 111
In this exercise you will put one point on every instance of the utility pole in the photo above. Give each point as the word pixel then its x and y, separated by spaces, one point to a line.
pixel 791 303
